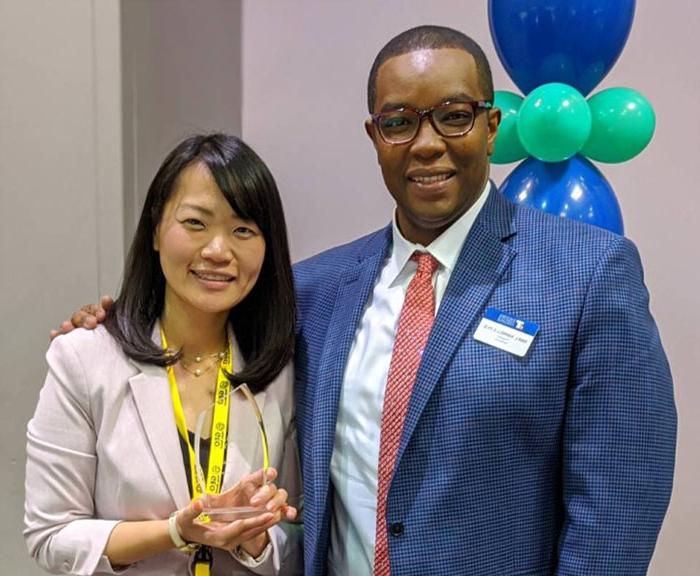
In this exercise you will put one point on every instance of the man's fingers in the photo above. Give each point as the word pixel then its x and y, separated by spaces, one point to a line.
pixel 86 317
pixel 106 302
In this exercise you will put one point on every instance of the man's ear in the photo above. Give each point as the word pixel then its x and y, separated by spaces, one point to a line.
pixel 494 119
pixel 369 128
pixel 371 131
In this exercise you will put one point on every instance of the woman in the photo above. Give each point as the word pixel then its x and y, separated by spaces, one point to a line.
pixel 206 303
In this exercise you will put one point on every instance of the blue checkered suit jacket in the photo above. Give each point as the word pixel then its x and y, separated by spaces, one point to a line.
pixel 560 463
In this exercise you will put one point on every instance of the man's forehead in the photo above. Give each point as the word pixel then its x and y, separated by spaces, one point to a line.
pixel 425 58
pixel 422 59
pixel 448 71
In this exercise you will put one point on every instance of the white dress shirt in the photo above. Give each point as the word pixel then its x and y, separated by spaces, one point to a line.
pixel 356 451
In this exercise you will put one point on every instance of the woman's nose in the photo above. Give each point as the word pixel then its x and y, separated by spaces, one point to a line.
pixel 218 250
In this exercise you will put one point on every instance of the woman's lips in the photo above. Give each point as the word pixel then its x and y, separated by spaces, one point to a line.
pixel 216 280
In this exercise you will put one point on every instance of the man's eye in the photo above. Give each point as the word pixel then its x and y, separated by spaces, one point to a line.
pixel 396 122
pixel 457 118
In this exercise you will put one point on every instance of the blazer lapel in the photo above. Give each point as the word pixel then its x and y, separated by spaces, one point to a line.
pixel 354 288
pixel 151 394
pixel 485 256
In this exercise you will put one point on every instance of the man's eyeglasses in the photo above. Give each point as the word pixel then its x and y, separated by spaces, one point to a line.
pixel 450 120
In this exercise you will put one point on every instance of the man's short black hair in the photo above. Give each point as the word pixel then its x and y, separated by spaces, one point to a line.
pixel 430 38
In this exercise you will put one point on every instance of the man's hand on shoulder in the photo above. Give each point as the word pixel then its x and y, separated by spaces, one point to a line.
pixel 88 316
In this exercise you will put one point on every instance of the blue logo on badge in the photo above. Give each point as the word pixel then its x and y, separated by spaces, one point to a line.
pixel 511 321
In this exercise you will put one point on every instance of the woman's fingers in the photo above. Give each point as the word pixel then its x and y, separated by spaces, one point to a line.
pixel 244 492
pixel 289 513
pixel 257 490
pixel 229 536
pixel 263 495
pixel 187 526
pixel 278 499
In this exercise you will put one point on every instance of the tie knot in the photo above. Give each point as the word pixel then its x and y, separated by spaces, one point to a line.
pixel 427 264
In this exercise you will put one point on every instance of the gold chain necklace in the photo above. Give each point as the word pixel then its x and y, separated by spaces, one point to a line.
pixel 201 364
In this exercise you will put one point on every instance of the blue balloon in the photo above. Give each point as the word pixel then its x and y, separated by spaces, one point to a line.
pixel 574 189
pixel 575 42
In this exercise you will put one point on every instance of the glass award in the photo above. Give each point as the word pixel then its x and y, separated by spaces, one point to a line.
pixel 209 429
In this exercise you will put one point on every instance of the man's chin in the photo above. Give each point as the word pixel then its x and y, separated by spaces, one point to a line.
pixel 423 228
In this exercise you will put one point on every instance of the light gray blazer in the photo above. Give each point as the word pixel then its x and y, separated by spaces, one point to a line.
pixel 103 447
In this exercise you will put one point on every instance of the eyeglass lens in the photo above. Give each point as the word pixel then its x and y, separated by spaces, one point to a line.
pixel 455 119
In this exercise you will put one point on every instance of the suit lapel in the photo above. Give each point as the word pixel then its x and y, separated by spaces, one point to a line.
pixel 354 288
pixel 151 394
pixel 484 257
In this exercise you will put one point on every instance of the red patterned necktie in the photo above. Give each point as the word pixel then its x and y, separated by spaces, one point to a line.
pixel 415 323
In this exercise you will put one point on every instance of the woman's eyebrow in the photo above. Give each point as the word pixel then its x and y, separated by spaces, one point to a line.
pixel 198 207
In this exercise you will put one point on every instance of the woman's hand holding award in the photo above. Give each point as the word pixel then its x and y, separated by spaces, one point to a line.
pixel 254 503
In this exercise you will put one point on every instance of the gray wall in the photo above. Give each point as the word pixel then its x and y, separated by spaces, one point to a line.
pixel 60 201
pixel 305 64
pixel 181 69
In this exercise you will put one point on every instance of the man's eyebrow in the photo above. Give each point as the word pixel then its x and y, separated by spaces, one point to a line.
pixel 461 97
pixel 389 106
pixel 457 97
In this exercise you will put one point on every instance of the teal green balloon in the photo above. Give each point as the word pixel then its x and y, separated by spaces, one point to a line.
pixel 554 122
pixel 507 146
pixel 623 125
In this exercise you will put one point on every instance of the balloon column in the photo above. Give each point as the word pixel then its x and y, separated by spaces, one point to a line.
pixel 556 52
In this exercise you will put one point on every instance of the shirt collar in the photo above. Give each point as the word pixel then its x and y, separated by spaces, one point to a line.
pixel 445 248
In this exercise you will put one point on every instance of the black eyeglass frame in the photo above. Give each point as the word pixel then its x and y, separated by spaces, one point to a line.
pixel 428 113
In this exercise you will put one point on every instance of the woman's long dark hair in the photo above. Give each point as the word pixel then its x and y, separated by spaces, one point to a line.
pixel 264 321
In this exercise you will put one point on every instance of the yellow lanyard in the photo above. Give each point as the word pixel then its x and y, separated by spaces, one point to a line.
pixel 219 432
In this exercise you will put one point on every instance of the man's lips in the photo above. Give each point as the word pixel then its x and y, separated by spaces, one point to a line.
pixel 432 177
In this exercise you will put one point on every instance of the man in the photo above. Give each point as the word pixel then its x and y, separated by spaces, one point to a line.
pixel 485 379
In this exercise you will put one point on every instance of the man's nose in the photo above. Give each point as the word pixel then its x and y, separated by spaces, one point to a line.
pixel 428 141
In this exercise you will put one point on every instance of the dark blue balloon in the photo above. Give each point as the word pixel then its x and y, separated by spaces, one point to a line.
pixel 574 189
pixel 575 42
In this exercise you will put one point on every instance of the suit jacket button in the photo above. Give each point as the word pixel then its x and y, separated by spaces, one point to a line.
pixel 396 528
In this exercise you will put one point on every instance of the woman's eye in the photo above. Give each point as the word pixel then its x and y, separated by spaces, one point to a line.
pixel 244 232
pixel 193 223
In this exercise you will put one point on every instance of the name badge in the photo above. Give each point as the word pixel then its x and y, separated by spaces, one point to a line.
pixel 506 332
